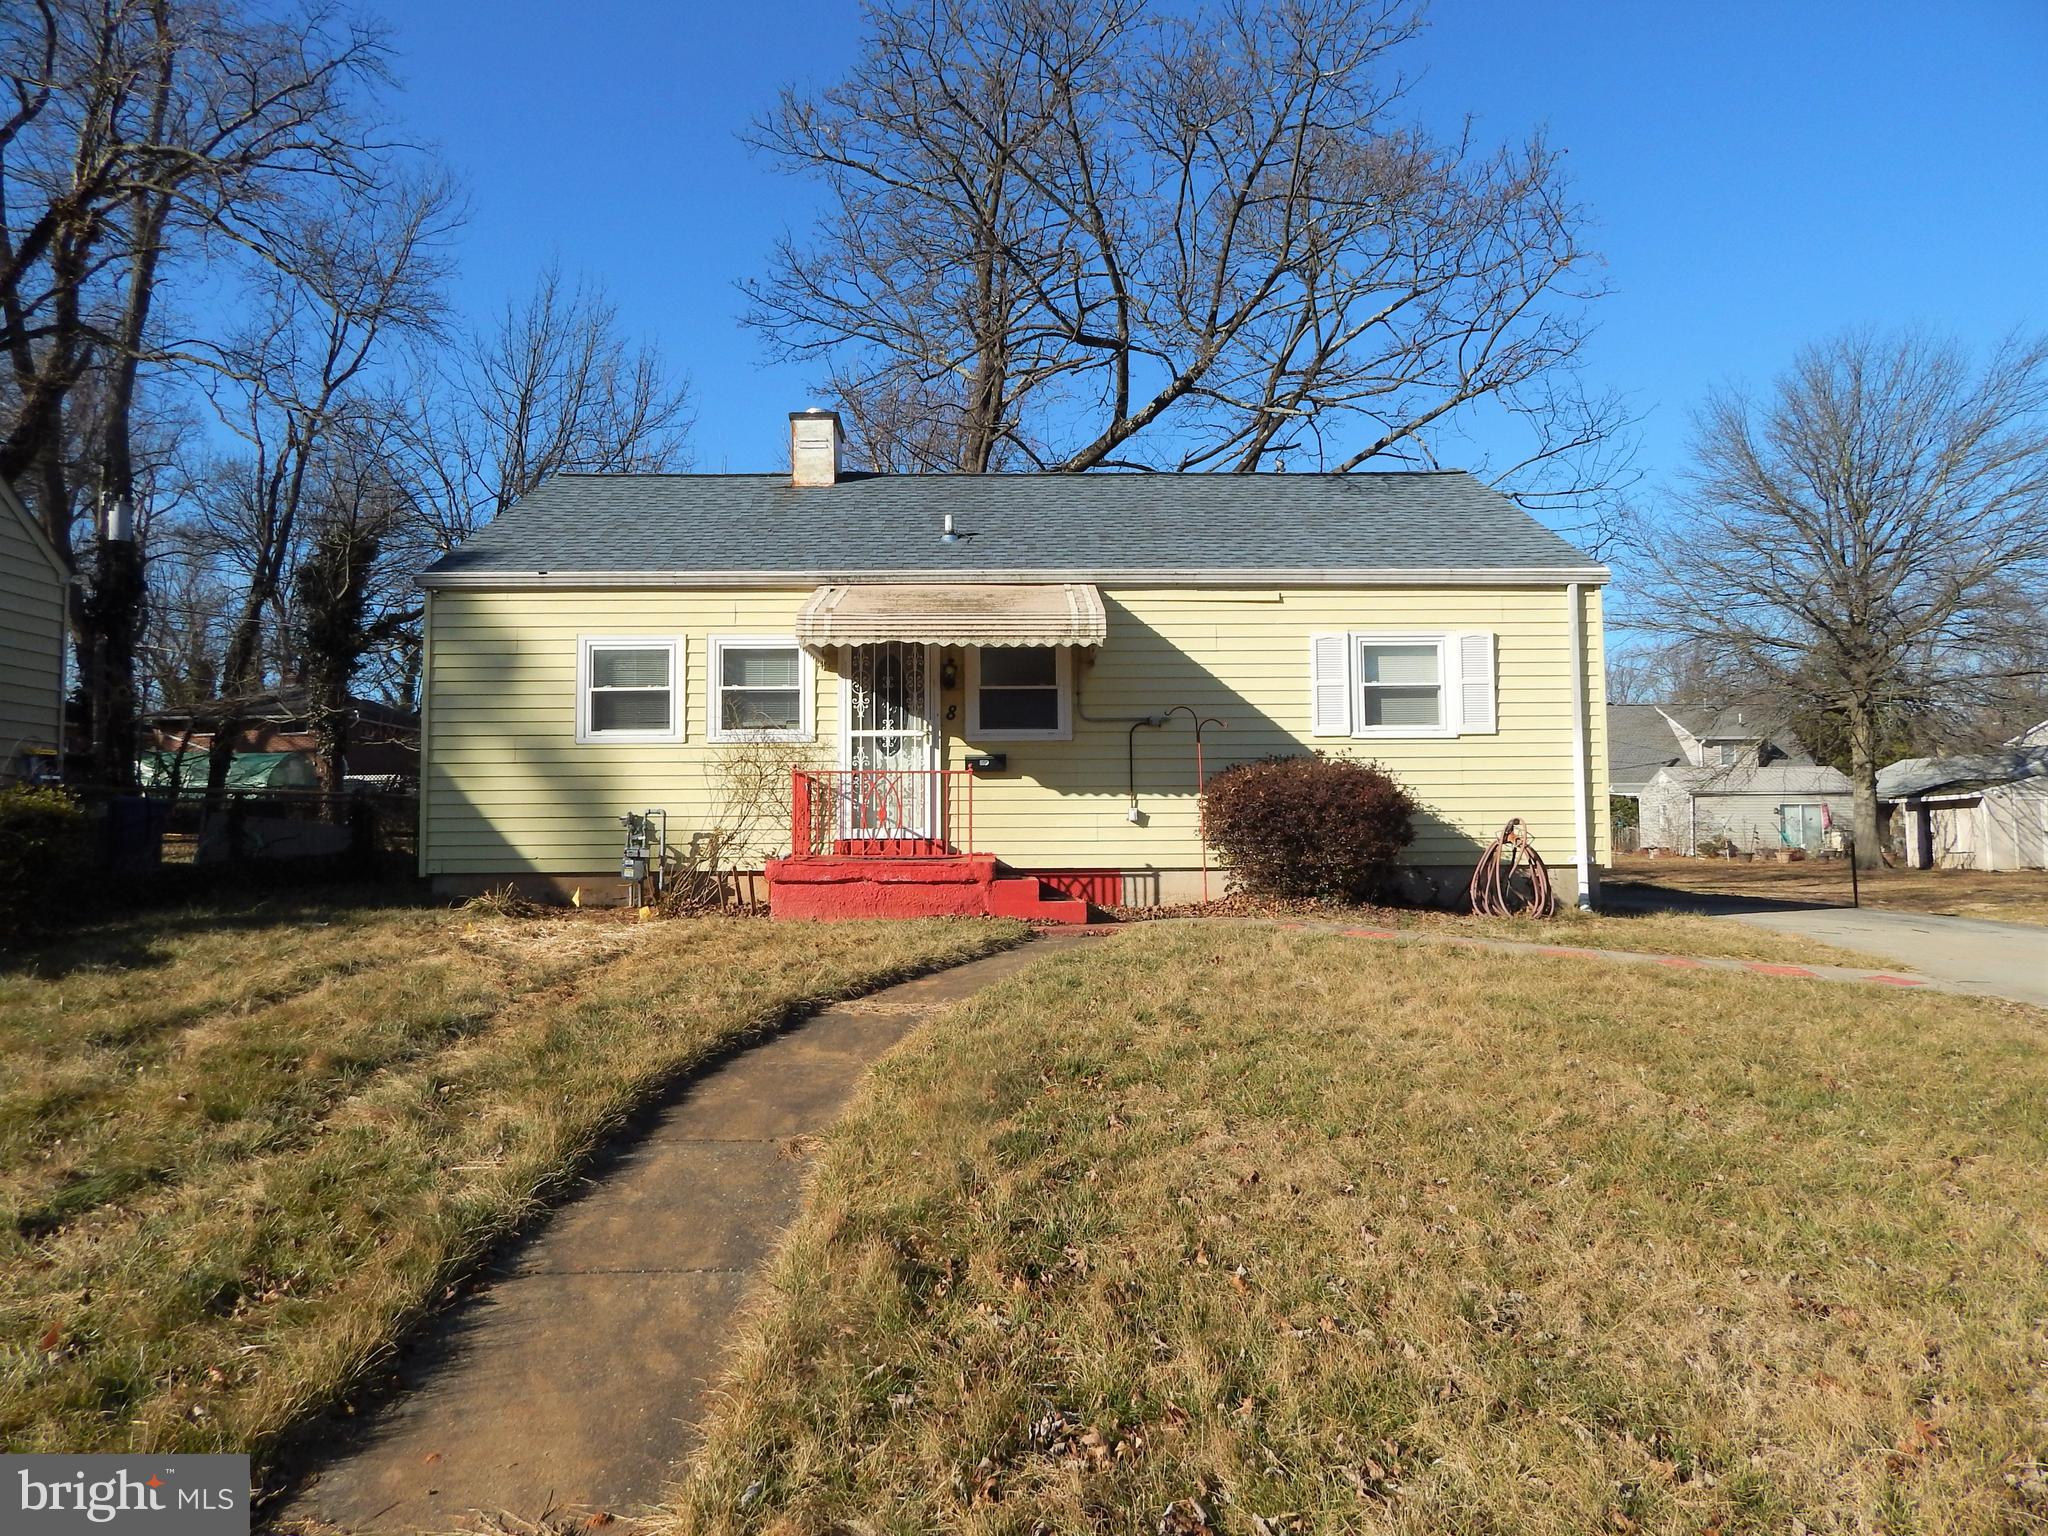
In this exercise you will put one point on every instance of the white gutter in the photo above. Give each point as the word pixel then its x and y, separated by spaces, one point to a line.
pixel 1215 576
pixel 1581 789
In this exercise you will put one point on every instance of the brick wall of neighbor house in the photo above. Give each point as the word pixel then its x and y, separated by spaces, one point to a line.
pixel 508 789
pixel 31 644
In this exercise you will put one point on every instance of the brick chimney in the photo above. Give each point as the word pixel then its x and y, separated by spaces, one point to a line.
pixel 814 444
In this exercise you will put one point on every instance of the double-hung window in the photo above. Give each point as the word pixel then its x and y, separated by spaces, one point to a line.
pixel 1400 686
pixel 629 689
pixel 1421 684
pixel 761 689
pixel 1020 693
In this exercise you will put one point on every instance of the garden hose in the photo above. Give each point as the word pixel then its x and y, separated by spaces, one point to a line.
pixel 1493 890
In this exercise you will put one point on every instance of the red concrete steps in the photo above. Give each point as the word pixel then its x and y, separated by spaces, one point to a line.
pixel 839 887
pixel 1026 896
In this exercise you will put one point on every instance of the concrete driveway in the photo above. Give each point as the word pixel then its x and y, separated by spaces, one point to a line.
pixel 1976 955
pixel 1996 959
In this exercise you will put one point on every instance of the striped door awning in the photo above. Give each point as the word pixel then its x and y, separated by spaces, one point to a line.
pixel 1053 613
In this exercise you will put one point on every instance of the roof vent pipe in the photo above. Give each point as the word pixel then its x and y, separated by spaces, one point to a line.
pixel 948 534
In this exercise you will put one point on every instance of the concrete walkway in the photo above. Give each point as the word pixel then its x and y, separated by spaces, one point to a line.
pixel 1966 954
pixel 573 1381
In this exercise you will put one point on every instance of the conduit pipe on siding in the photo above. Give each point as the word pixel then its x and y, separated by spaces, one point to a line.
pixel 1581 789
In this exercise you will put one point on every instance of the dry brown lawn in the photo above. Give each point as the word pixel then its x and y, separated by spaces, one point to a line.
pixel 1653 933
pixel 1222 1227
pixel 1639 932
pixel 240 1149
pixel 2010 896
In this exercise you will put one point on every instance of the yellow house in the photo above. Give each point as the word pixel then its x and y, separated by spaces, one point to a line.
pixel 33 582
pixel 894 690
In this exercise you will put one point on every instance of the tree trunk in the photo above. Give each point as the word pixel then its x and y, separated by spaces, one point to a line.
pixel 115 610
pixel 328 705
pixel 113 624
pixel 1868 847
pixel 239 675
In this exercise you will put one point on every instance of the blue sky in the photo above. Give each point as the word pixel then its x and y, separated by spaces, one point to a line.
pixel 1760 174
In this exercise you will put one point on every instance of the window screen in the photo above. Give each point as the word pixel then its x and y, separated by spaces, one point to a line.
pixel 1399 685
pixel 1020 689
pixel 760 688
pixel 632 690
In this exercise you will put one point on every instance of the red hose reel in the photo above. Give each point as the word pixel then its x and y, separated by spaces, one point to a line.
pixel 1511 879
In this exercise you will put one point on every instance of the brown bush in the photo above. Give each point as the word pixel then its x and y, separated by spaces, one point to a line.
pixel 1319 827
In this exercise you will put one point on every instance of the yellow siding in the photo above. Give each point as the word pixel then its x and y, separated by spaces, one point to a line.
pixel 509 789
pixel 31 642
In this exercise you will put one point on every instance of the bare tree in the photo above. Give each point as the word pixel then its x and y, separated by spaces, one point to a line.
pixel 355 282
pixel 1072 234
pixel 132 122
pixel 554 385
pixel 139 129
pixel 1868 539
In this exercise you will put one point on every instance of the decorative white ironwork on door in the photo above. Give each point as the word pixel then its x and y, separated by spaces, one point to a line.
pixel 887 742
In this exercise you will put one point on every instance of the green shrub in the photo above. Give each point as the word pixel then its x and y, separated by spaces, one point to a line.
pixel 41 833
pixel 1320 827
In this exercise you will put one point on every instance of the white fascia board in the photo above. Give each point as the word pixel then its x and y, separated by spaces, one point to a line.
pixel 1235 576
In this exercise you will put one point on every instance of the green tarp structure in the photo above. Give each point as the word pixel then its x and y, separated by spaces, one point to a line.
pixel 248 770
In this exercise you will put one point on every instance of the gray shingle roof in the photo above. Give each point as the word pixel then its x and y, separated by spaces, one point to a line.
pixel 1922 775
pixel 867 525
pixel 1748 779
pixel 1639 742
pixel 1640 739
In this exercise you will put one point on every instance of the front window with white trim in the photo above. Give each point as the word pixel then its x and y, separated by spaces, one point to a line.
pixel 1400 686
pixel 1020 693
pixel 627 689
pixel 762 689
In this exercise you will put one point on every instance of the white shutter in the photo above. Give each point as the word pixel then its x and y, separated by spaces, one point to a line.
pixel 1329 671
pixel 1476 712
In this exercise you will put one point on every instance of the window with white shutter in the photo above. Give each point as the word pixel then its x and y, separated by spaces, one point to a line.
pixel 1365 684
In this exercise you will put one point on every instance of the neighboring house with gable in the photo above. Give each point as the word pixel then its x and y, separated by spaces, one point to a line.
pixel 34 584
pixel 987 687
pixel 1977 810
pixel 1721 774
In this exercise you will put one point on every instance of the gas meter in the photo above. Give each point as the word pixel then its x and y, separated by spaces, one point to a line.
pixel 646 848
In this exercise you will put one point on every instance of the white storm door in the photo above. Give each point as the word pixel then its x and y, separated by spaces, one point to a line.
pixel 888 743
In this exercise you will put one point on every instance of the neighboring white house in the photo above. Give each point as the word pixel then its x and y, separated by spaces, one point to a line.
pixel 1982 810
pixel 33 584
pixel 1702 773
pixel 1756 807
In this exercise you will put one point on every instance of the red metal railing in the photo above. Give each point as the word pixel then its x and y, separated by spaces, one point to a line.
pixel 881 813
